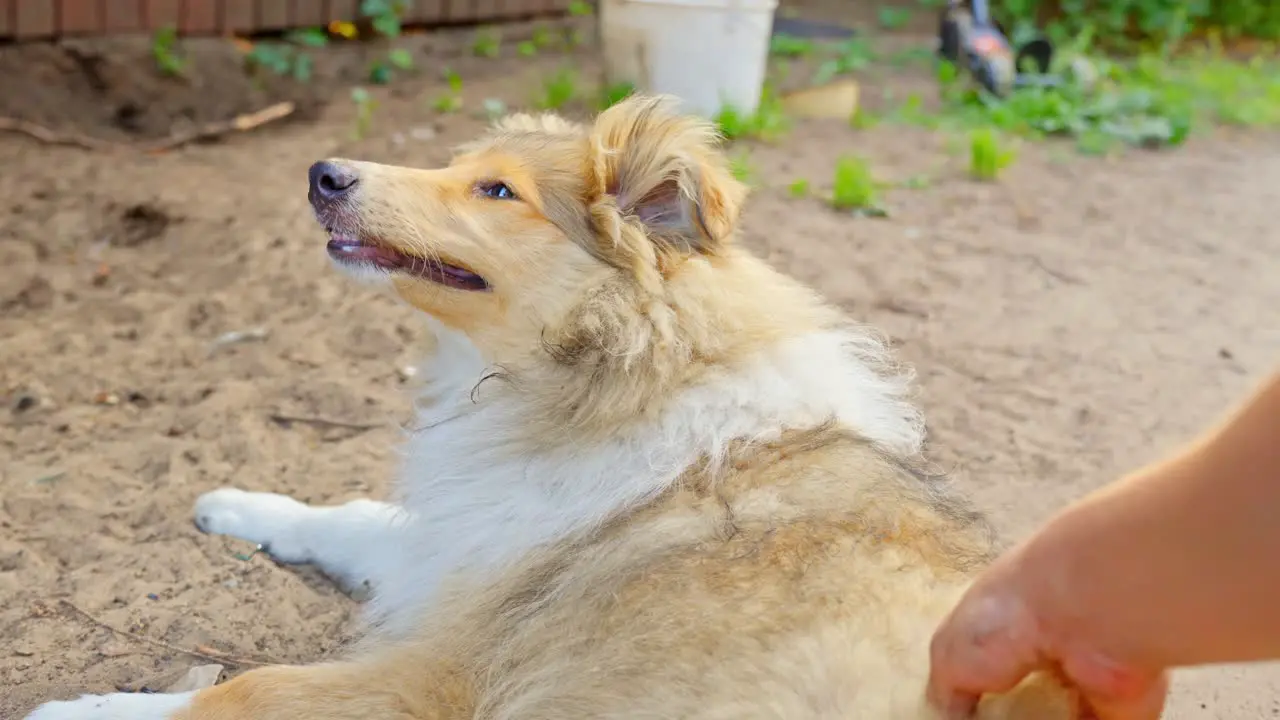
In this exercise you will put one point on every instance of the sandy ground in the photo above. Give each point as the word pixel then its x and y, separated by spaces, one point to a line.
pixel 1077 318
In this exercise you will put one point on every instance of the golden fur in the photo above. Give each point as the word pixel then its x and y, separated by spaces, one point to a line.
pixel 793 576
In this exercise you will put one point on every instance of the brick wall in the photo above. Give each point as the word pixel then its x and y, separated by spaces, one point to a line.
pixel 51 18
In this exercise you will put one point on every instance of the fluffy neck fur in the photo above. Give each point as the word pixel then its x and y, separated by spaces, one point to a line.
pixel 486 479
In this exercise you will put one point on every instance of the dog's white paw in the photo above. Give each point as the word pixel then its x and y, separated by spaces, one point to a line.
pixel 117 706
pixel 267 519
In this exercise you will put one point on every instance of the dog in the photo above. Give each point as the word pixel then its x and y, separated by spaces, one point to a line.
pixel 650 476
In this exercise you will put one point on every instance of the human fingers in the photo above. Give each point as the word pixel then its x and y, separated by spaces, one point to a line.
pixel 982 647
pixel 1140 702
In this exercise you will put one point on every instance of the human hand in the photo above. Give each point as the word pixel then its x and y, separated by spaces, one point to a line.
pixel 1008 625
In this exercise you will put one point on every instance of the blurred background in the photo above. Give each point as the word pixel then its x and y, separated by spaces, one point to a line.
pixel 1065 220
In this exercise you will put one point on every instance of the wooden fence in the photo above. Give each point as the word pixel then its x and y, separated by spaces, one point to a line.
pixel 56 18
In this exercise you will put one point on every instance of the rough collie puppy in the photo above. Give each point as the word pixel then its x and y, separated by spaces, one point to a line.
pixel 650 477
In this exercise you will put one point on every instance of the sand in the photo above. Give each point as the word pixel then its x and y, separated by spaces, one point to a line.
pixel 1073 320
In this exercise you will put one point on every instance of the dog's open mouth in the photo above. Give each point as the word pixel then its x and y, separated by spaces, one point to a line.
pixel 351 249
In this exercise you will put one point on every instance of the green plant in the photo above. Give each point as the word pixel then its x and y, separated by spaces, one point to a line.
pixel 612 94
pixel 164 49
pixel 451 99
pixel 863 119
pixel 560 88
pixel 365 105
pixel 742 168
pixel 526 48
pixel 917 182
pixel 790 46
pixel 384 16
pixel 798 188
pixel 767 123
pixel 986 156
pixel 893 18
pixel 854 188
pixel 851 56
pixel 543 38
pixel 913 112
pixel 1119 23
pixel 580 8
pixel 487 43
pixel 289 57
pixel 1149 100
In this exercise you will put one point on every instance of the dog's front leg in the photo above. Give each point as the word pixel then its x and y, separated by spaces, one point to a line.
pixel 355 544
pixel 391 689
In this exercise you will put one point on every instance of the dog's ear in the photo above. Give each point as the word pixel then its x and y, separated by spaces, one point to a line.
pixel 665 170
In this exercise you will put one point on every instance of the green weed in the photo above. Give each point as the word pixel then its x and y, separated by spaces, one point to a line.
pixel 487 43
pixel 451 99
pixel 384 16
pixel 365 106
pixel 851 56
pixel 580 8
pixel 863 119
pixel 768 122
pixel 986 156
pixel 891 17
pixel 916 182
pixel 1153 23
pixel 742 167
pixel 558 90
pixel 798 188
pixel 289 57
pixel 789 46
pixel 543 38
pixel 1150 100
pixel 615 93
pixel 854 188
pixel 164 44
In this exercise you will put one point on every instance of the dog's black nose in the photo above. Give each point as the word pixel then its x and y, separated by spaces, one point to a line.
pixel 329 182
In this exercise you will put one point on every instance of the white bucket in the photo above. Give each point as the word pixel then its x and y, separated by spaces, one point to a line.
pixel 709 53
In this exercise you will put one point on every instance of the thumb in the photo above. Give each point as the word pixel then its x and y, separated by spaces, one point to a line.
pixel 1147 705
pixel 1116 692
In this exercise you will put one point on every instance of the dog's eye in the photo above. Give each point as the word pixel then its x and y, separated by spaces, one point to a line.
pixel 497 191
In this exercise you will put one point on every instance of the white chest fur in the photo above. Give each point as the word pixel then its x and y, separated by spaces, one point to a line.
pixel 475 501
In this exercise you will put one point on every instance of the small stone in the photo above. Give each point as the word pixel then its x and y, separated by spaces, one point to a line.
pixel 425 132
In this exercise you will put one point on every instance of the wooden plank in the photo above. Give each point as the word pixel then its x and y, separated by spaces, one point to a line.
pixel 348 10
pixel 460 10
pixel 123 16
pixel 162 14
pixel 35 18
pixel 308 13
pixel 484 9
pixel 6 18
pixel 78 17
pixel 238 17
pixel 529 8
pixel 199 17
pixel 426 11
pixel 273 14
